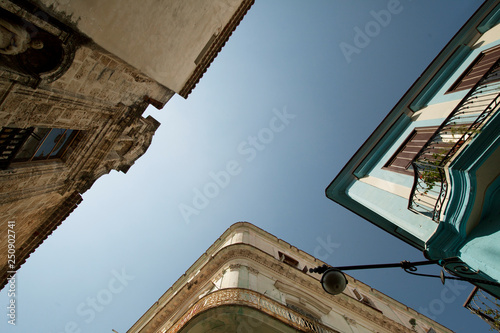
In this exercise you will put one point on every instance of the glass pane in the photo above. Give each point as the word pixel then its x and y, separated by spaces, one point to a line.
pixel 31 144
pixel 63 139
pixel 50 142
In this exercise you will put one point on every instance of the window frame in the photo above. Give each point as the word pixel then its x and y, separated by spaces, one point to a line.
pixel 60 146
pixel 22 145
pixel 288 260
pixel 365 299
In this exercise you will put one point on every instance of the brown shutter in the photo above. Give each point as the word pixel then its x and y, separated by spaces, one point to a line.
pixel 476 70
pixel 406 153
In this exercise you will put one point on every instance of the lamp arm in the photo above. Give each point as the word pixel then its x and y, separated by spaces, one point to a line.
pixel 403 264
pixel 411 267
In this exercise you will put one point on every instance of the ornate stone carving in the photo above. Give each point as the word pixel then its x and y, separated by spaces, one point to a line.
pixel 234 267
pixel 254 300
pixel 132 144
pixel 14 39
pixel 31 49
pixel 350 320
pixel 253 270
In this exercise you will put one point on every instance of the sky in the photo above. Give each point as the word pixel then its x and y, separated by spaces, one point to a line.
pixel 290 98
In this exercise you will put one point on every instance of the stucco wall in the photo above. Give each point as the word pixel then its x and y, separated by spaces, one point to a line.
pixel 393 208
pixel 482 247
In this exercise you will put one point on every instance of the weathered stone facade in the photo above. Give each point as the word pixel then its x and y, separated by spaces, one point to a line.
pixel 173 42
pixel 250 280
pixel 97 95
pixel 74 85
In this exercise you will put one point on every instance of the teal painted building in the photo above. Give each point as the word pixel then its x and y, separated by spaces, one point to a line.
pixel 429 172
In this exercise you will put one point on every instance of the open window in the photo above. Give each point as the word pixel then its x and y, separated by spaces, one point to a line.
pixel 33 144
pixel 364 299
pixel 304 312
pixel 288 260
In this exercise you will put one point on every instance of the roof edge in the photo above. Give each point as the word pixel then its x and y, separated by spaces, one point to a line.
pixel 215 48
pixel 466 34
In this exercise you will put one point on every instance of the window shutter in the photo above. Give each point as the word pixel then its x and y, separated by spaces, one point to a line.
pixel 406 153
pixel 476 70
pixel 11 141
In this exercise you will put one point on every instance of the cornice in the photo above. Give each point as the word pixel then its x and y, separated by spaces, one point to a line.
pixel 59 214
pixel 215 48
pixel 161 313
pixel 294 290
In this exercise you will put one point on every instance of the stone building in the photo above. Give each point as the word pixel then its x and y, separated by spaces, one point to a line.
pixel 251 281
pixel 75 80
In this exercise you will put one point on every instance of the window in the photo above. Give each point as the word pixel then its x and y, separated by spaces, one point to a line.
pixel 476 70
pixel 364 299
pixel 287 259
pixel 34 144
pixel 45 143
pixel 406 153
pixel 303 312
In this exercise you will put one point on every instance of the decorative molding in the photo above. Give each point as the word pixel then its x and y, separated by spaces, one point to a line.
pixel 43 25
pixel 34 19
pixel 252 299
pixel 167 310
pixel 253 270
pixel 299 292
pixel 234 267
pixel 350 320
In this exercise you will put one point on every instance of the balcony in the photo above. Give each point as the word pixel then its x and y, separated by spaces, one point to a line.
pixel 431 184
pixel 484 305
pixel 226 299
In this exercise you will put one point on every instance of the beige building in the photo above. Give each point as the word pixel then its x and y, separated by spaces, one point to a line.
pixel 75 79
pixel 251 281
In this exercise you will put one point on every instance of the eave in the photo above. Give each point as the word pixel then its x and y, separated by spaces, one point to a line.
pixel 215 48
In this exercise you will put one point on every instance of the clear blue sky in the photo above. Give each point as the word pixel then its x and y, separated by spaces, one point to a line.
pixel 285 58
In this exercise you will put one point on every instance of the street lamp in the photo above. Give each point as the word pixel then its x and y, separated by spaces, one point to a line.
pixel 334 281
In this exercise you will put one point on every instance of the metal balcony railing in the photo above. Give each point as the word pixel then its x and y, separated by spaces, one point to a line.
pixel 486 306
pixel 430 186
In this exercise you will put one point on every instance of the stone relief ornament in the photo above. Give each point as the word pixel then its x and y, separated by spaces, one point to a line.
pixel 14 39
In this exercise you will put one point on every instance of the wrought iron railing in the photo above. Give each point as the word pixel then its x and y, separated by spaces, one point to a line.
pixel 486 306
pixel 245 297
pixel 430 186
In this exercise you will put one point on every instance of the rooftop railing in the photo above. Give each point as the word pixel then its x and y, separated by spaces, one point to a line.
pixel 430 186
